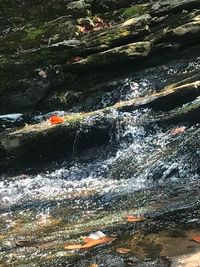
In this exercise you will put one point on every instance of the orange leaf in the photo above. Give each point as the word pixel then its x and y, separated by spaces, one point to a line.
pixel 91 244
pixel 87 239
pixel 134 218
pixel 196 238
pixel 55 120
pixel 123 250
pixel 99 241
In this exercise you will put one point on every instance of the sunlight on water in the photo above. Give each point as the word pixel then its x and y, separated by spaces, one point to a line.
pixel 64 183
pixel 129 170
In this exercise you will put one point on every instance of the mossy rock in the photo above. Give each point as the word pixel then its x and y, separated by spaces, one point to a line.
pixel 35 35
pixel 135 10
pixel 16 12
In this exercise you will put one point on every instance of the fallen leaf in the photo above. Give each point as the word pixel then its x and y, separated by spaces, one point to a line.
pixel 72 247
pixel 93 265
pixel 102 240
pixel 196 238
pixel 135 218
pixel 178 130
pixel 94 236
pixel 123 250
pixel 55 120
pixel 91 243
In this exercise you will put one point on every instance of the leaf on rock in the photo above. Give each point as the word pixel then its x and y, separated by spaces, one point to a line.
pixel 90 242
pixel 135 218
pixel 123 250
pixel 196 238
pixel 55 120
pixel 94 236
pixel 100 241
pixel 178 130
pixel 72 247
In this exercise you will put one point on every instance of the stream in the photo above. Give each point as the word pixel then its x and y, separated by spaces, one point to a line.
pixel 149 169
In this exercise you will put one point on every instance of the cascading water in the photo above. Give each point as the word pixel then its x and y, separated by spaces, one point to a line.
pixel 151 168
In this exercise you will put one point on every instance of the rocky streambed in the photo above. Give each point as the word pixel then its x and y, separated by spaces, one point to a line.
pixel 124 78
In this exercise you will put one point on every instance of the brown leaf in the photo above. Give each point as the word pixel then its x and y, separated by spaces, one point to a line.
pixel 196 238
pixel 98 242
pixel 75 246
pixel 178 130
pixel 93 265
pixel 135 218
pixel 123 250
pixel 94 236
pixel 91 243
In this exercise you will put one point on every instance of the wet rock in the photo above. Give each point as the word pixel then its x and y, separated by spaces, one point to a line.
pixel 105 259
pixel 15 144
pixel 76 133
pixel 157 262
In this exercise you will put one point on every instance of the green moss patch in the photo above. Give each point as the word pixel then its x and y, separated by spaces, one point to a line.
pixel 32 34
pixel 135 10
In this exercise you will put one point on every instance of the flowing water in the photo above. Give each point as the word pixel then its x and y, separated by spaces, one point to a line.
pixel 148 170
